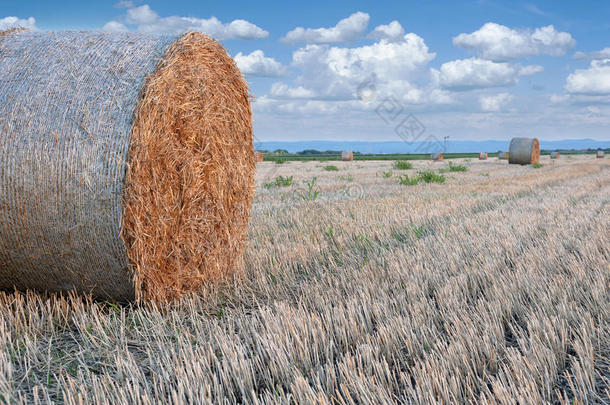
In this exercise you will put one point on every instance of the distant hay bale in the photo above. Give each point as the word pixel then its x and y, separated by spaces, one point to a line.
pixel 555 155
pixel 347 156
pixel 259 156
pixel 600 154
pixel 503 155
pixel 524 151
pixel 483 156
pixel 126 163
pixel 436 156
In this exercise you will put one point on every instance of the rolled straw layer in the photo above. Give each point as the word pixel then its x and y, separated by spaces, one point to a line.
pixel 126 163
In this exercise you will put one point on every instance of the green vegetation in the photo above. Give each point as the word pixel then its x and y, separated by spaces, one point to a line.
pixel 349 177
pixel 405 180
pixel 402 165
pixel 280 181
pixel 388 174
pixel 537 165
pixel 331 168
pixel 428 176
pixel 311 193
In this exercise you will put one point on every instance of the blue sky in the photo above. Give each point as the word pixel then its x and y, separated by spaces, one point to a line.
pixel 355 70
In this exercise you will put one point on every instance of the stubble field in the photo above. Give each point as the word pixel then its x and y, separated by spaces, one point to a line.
pixel 491 287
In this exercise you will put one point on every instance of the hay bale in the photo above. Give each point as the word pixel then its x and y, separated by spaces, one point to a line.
pixel 503 155
pixel 347 156
pixel 436 156
pixel 555 155
pixel 259 156
pixel 600 154
pixel 524 151
pixel 126 163
pixel 483 156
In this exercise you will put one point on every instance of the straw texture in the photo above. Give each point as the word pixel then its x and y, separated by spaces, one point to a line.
pixel 74 142
pixel 524 151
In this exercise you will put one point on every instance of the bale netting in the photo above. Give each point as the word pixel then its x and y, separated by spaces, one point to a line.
pixel 436 156
pixel 600 154
pixel 347 156
pixel 524 151
pixel 555 155
pixel 126 163
pixel 483 156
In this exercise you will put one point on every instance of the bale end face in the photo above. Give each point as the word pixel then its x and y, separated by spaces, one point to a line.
pixel 483 156
pixel 436 156
pixel 191 174
pixel 600 154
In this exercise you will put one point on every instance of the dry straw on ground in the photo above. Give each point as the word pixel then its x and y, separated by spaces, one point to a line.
pixel 347 156
pixel 127 163
pixel 436 156
pixel 483 156
pixel 524 151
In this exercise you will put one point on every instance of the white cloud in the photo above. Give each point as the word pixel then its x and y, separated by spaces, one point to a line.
pixel 348 29
pixel 498 42
pixel 335 73
pixel 147 20
pixel 559 98
pixel 392 32
pixel 530 70
pixel 14 22
pixel 495 102
pixel 257 64
pixel 114 26
pixel 282 90
pixel 603 54
pixel 474 73
pixel 594 81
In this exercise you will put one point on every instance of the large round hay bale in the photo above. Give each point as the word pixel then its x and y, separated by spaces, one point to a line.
pixel 436 156
pixel 524 151
pixel 347 156
pixel 555 155
pixel 503 155
pixel 483 156
pixel 600 154
pixel 259 156
pixel 126 163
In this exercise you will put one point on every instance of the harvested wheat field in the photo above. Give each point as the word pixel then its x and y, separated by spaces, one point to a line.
pixel 490 287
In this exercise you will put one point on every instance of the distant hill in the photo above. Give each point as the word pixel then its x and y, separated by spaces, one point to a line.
pixel 426 147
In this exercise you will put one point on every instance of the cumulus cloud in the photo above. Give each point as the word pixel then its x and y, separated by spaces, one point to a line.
pixel 500 43
pixel 594 81
pixel 15 22
pixel 530 70
pixel 257 64
pixel 392 32
pixel 495 102
pixel 603 54
pixel 147 20
pixel 474 73
pixel 346 30
pixel 115 26
pixel 335 73
pixel 282 90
